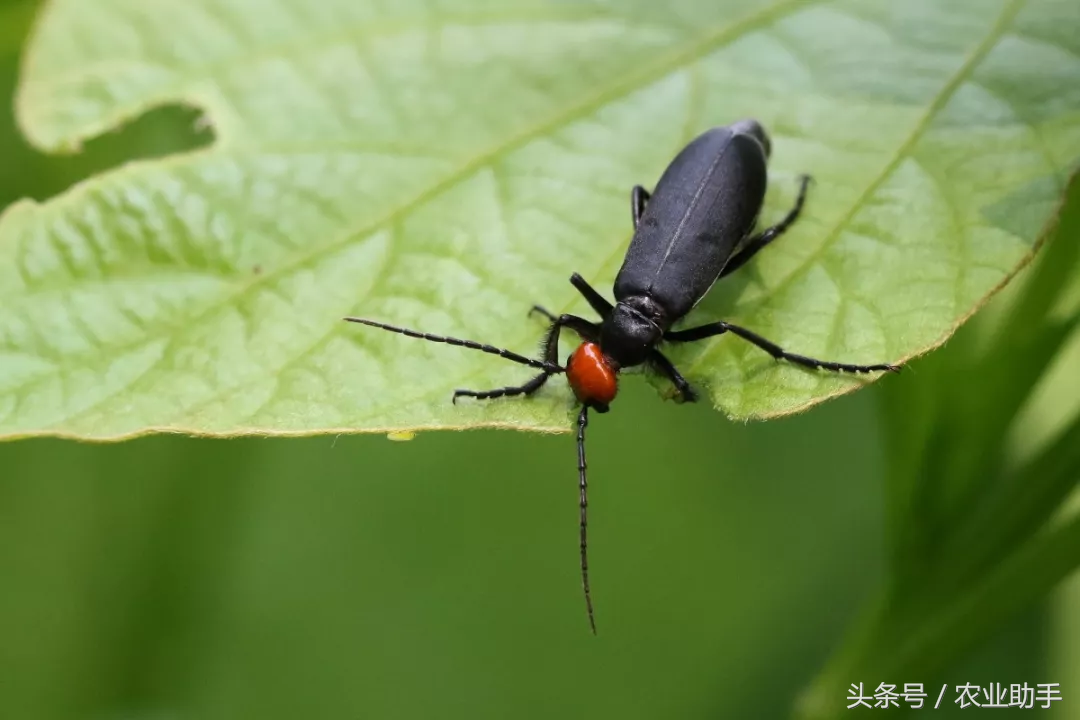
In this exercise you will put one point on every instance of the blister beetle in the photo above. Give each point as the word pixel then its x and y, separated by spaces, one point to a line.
pixel 695 228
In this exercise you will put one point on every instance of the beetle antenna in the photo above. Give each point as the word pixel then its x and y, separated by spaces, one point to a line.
pixel 583 485
pixel 471 344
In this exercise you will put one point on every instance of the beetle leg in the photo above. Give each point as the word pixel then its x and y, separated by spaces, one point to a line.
pixel 527 389
pixel 638 197
pixel 662 365
pixel 587 330
pixel 596 300
pixel 579 325
pixel 718 328
pixel 751 248
pixel 543 311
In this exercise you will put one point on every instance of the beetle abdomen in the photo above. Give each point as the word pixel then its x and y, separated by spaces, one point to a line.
pixel 705 203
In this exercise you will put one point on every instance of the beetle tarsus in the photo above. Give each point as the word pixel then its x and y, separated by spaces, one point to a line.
pixel 527 389
pixel 542 311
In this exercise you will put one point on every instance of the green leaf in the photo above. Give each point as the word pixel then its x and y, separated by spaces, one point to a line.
pixel 980 523
pixel 445 166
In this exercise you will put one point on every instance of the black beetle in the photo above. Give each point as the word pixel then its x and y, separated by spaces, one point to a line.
pixel 694 229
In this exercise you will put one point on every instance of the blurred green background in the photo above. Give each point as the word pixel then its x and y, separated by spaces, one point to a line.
pixel 355 577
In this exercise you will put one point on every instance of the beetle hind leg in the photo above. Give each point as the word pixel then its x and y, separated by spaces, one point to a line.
pixel 759 241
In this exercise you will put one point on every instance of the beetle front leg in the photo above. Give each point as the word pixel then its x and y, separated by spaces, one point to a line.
pixel 596 300
pixel 527 389
pixel 543 311
pixel 719 328
pixel 587 330
pixel 659 362
pixel 756 243
pixel 579 325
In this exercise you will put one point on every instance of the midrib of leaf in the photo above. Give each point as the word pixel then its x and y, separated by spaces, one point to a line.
pixel 903 151
pixel 640 77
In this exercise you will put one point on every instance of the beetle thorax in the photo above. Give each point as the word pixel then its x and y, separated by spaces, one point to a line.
pixel 628 334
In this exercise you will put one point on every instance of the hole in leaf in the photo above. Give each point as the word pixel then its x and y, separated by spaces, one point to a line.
pixel 25 172
pixel 158 133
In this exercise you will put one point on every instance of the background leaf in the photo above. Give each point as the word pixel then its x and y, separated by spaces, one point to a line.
pixel 446 166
